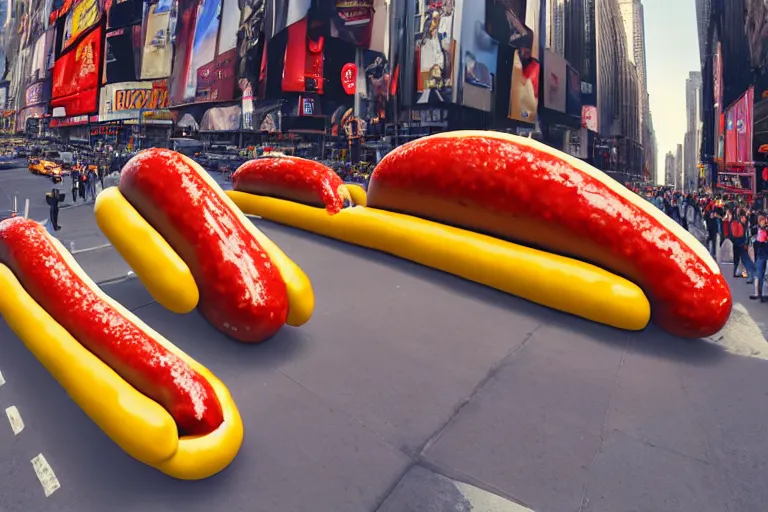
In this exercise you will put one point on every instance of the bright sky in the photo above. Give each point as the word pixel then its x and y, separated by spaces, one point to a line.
pixel 672 51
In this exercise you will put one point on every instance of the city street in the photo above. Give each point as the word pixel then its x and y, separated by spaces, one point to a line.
pixel 410 391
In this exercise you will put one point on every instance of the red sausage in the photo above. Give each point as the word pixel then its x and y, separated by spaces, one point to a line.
pixel 519 189
pixel 241 291
pixel 295 179
pixel 126 348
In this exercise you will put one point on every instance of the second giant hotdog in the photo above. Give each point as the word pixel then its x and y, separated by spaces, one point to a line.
pixel 305 194
pixel 199 250
pixel 519 189
pixel 154 401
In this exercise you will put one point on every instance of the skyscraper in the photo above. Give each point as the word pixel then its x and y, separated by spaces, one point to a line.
pixel 633 18
pixel 669 170
pixel 693 130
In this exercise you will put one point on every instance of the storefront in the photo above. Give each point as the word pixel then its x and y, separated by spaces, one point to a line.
pixel 137 113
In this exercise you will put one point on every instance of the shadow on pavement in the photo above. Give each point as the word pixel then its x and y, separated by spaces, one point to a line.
pixel 651 341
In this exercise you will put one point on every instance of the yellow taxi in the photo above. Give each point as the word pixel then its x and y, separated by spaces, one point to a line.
pixel 45 165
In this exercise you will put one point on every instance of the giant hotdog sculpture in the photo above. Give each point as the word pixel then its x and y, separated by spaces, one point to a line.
pixel 429 200
pixel 193 248
pixel 157 403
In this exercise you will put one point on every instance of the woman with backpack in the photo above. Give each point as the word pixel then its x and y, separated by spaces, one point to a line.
pixel 739 236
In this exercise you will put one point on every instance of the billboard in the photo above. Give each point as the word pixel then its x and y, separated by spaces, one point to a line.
pixel 479 58
pixel 203 48
pixel 352 21
pixel 436 51
pixel 738 130
pixel 84 15
pixel 505 21
pixel 127 100
pixel 526 67
pixel 76 76
pixel 287 12
pixel 589 118
pixel 219 119
pixel 555 81
pixel 717 66
pixel 573 102
pixel 35 94
pixel 157 52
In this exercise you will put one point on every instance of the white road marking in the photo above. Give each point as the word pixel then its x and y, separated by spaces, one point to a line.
pixel 91 249
pixel 46 475
pixel 487 502
pixel 2 379
pixel 14 418
pixel 741 335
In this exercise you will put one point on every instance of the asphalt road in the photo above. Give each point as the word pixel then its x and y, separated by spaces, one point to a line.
pixel 409 391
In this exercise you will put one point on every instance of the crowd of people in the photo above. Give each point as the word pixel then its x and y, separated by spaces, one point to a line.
pixel 727 225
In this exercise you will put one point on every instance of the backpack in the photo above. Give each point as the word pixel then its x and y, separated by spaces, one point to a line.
pixel 737 230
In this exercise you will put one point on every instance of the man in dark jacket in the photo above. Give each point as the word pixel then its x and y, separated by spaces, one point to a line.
pixel 713 229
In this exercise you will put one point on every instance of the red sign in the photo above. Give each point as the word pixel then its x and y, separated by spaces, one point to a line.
pixel 738 130
pixel 76 77
pixel 349 78
pixel 78 69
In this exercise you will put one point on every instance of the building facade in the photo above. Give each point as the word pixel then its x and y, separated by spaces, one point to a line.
pixel 669 170
pixel 678 166
pixel 692 144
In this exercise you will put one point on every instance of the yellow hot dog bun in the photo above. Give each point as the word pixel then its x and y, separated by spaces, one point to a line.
pixel 162 271
pixel 139 425
pixel 554 281
pixel 358 194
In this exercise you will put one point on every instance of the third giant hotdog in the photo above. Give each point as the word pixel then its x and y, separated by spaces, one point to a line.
pixel 154 401
pixel 519 189
pixel 304 194
pixel 199 250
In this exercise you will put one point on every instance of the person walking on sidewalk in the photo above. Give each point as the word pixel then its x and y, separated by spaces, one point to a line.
pixel 90 183
pixel 740 239
pixel 53 198
pixel 75 183
pixel 761 259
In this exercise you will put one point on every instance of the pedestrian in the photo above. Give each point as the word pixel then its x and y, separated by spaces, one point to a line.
pixel 761 259
pixel 82 183
pixel 740 239
pixel 101 176
pixel 712 232
pixel 75 183
pixel 53 198
pixel 91 184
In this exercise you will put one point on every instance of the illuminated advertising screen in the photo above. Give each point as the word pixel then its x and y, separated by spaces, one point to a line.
pixel 738 130
pixel 84 15
pixel 352 21
pixel 479 57
pixel 555 81
pixel 436 50
pixel 573 107
pixel 205 62
pixel 718 92
pixel 157 51
pixel 76 76
pixel 127 100
pixel 35 94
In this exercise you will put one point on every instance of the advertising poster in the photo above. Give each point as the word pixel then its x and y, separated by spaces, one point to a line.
pixel 436 47
pixel 76 76
pixel 34 95
pixel 352 21
pixel 526 68
pixel 182 49
pixel 479 56
pixel 505 21
pixel 157 52
pixel 84 15
pixel 250 39
pixel 718 93
pixel 589 118
pixel 730 136
pixel 573 107
pixel 221 119
pixel 120 55
pixel 555 81
pixel 287 12
pixel 127 100
pixel 744 127
pixel 377 84
pixel 203 49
